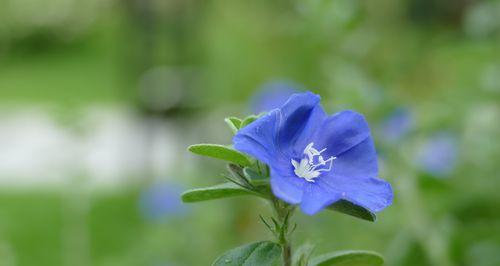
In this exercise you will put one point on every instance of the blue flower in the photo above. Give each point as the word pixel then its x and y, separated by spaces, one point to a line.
pixel 316 159
pixel 273 95
pixel 397 125
pixel 161 201
pixel 438 155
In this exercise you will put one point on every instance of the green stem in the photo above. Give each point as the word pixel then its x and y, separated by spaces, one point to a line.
pixel 287 254
pixel 284 212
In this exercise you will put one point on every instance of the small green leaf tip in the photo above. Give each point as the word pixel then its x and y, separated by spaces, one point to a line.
pixel 255 254
pixel 220 152
pixel 234 123
pixel 349 258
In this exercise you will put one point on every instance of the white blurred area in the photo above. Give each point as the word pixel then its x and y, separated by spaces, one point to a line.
pixel 109 147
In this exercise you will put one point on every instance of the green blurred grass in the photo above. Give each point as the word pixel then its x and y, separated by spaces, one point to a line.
pixel 46 228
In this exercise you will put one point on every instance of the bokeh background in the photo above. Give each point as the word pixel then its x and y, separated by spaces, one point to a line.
pixel 100 98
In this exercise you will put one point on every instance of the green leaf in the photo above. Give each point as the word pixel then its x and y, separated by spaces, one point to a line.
pixel 349 208
pixel 220 152
pixel 255 254
pixel 248 120
pixel 234 123
pixel 224 190
pixel 348 258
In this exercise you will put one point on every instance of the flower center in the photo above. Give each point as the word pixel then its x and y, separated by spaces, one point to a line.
pixel 312 163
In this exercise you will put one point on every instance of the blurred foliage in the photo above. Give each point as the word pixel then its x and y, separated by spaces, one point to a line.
pixel 196 62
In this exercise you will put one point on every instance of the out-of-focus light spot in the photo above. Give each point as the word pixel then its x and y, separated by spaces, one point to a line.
pixel 351 84
pixel 482 19
pixel 63 18
pixel 273 95
pixel 162 201
pixel 438 154
pixel 35 150
pixel 161 88
pixel 481 131
pixel 484 253
pixel 113 148
pixel 397 125
pixel 490 78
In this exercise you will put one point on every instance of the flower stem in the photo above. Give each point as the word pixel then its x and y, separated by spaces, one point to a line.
pixel 284 212
pixel 287 254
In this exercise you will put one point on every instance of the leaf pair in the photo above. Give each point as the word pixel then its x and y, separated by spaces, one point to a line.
pixel 269 254
pixel 235 124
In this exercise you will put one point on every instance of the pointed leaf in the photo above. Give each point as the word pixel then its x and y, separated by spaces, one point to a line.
pixel 224 190
pixel 255 254
pixel 349 208
pixel 220 152
pixel 234 123
pixel 349 258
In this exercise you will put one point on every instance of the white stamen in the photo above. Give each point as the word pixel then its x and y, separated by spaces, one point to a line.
pixel 306 167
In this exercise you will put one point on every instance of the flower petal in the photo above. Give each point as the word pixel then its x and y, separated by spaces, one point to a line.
pixel 346 135
pixel 287 187
pixel 276 135
pixel 259 138
pixel 299 118
pixel 341 132
pixel 359 161
pixel 317 197
pixel 354 177
pixel 371 193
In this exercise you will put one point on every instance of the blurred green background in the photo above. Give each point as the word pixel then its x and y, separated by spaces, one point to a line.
pixel 99 98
